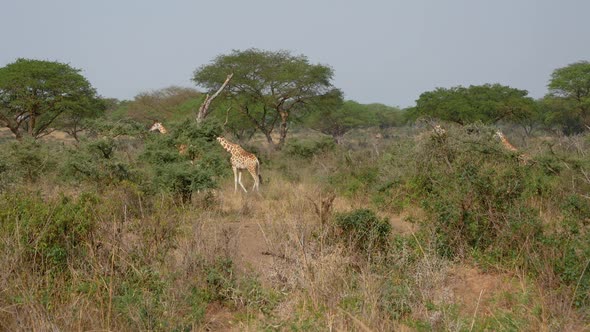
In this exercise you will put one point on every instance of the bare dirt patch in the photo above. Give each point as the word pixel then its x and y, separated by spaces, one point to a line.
pixel 473 289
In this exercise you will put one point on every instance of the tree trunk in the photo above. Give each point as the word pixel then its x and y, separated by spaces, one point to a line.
pixel 271 143
pixel 17 134
pixel 32 120
pixel 283 129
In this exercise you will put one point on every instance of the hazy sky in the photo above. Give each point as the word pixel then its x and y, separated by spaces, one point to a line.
pixel 381 51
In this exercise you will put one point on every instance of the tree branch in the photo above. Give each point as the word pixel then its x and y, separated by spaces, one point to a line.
pixel 204 109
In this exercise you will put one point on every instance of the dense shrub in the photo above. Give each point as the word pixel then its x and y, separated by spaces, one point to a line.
pixel 174 172
pixel 474 191
pixel 29 159
pixel 357 174
pixel 49 233
pixel 307 148
pixel 99 162
pixel 363 229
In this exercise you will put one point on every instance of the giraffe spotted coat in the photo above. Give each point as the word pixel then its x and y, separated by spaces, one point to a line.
pixel 242 160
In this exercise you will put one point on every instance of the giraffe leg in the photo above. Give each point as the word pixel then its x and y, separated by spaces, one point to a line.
pixel 240 180
pixel 235 179
pixel 252 172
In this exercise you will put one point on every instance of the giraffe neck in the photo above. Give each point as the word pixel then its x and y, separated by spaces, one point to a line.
pixel 159 127
pixel 229 147
pixel 507 144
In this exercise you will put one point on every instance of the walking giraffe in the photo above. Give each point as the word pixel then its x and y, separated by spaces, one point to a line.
pixel 523 158
pixel 182 148
pixel 241 160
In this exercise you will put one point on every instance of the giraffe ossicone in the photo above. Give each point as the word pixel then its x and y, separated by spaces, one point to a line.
pixel 242 160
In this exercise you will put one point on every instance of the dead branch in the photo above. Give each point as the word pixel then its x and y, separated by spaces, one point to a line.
pixel 204 108
pixel 226 116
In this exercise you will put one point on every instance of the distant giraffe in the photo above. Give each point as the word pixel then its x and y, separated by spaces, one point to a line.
pixel 182 148
pixel 440 131
pixel 241 160
pixel 158 126
pixel 523 158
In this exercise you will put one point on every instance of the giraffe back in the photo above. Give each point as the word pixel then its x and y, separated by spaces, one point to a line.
pixel 240 158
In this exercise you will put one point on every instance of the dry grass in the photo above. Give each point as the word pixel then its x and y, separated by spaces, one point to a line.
pixel 145 258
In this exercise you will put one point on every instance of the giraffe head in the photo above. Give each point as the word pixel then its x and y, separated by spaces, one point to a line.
pixel 224 143
pixel 157 126
pixel 439 130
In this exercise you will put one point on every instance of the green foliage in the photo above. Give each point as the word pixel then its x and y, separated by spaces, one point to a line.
pixel 268 88
pixel 364 229
pixel 386 116
pixel 165 105
pixel 27 160
pixel 337 118
pixel 396 299
pixel 5 176
pixel 307 148
pixel 486 103
pixel 476 193
pixel 172 171
pixel 358 175
pixel 139 296
pixel 34 94
pixel 51 233
pixel 98 162
pixel 115 128
pixel 569 92
pixel 223 285
pixel 569 248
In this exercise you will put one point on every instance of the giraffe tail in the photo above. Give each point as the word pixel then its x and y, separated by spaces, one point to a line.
pixel 258 172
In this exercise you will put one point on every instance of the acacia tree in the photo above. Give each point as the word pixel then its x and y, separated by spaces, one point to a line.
pixel 35 93
pixel 569 88
pixel 79 117
pixel 487 103
pixel 337 117
pixel 268 88
pixel 162 104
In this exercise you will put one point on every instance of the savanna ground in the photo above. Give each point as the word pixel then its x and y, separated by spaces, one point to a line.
pixel 412 231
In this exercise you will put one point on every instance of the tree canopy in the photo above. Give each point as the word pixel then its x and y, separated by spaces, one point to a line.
pixel 569 91
pixel 173 103
pixel 339 117
pixel 34 94
pixel 267 87
pixel 487 103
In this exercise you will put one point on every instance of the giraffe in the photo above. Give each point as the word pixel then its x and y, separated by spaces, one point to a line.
pixel 241 160
pixel 158 126
pixel 523 158
pixel 182 148
pixel 440 131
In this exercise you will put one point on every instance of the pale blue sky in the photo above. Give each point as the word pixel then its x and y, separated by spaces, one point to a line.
pixel 381 51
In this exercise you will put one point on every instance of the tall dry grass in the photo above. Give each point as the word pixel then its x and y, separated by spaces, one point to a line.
pixel 273 261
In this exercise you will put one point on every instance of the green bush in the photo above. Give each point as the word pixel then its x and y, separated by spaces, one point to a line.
pixel 51 233
pixel 99 162
pixel 357 174
pixel 307 148
pixel 475 192
pixel 363 229
pixel 173 172
pixel 28 159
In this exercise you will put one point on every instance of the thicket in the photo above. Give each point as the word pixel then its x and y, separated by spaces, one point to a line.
pixel 109 234
pixel 483 204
